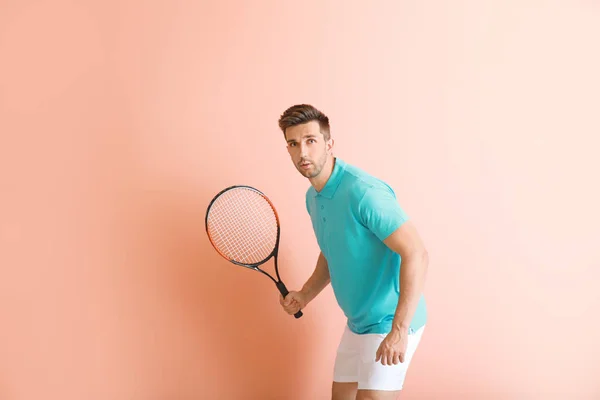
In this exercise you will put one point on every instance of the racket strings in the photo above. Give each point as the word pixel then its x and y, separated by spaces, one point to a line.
pixel 243 226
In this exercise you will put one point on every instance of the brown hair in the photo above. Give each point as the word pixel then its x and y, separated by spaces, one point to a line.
pixel 301 114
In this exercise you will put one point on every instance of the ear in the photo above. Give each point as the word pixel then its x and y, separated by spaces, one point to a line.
pixel 329 145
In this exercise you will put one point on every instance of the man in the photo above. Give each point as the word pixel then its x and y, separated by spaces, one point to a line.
pixel 364 237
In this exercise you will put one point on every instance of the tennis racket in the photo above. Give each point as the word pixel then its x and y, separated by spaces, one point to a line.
pixel 243 226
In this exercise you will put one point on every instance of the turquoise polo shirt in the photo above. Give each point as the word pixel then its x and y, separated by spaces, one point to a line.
pixel 351 216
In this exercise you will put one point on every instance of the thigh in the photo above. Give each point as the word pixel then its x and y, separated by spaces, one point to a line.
pixel 344 390
pixel 377 395
pixel 375 377
pixel 347 359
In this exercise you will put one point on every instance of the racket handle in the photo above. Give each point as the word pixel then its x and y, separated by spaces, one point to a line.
pixel 284 292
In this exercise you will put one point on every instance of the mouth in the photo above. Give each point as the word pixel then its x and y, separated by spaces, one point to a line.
pixel 305 165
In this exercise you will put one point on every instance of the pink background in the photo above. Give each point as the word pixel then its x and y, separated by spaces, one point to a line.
pixel 120 120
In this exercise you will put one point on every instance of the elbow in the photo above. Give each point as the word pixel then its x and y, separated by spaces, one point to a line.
pixel 424 263
pixel 420 256
pixel 423 259
pixel 425 256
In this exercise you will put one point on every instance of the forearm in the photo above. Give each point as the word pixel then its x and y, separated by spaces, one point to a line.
pixel 412 281
pixel 319 279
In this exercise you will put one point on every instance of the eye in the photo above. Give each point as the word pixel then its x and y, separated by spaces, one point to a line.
pixel 312 141
pixel 291 144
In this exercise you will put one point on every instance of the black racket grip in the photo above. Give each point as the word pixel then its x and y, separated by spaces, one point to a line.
pixel 284 292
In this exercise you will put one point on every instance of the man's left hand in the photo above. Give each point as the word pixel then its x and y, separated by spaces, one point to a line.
pixel 392 349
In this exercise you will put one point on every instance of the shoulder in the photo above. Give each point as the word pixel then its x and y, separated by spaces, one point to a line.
pixel 375 205
pixel 362 186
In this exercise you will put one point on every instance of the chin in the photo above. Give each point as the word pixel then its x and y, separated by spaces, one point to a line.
pixel 309 174
pixel 305 174
pixel 313 175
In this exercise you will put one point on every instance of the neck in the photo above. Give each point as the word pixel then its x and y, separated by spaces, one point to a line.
pixel 319 182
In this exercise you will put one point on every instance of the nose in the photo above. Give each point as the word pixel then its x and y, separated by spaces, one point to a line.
pixel 303 150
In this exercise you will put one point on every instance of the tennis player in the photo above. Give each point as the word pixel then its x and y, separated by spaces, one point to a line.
pixel 371 254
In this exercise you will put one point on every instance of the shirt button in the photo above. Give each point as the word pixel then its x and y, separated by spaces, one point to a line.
pixel 322 207
pixel 324 219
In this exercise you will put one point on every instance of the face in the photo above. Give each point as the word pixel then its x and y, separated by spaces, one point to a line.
pixel 308 148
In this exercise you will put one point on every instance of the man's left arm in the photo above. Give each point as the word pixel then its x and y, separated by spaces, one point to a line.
pixel 380 212
pixel 408 244
pixel 405 241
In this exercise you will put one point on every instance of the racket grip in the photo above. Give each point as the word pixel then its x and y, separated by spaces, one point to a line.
pixel 284 292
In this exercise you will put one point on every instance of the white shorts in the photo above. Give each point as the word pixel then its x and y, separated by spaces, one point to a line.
pixel 355 361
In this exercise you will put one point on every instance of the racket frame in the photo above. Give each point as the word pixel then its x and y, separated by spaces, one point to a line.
pixel 274 253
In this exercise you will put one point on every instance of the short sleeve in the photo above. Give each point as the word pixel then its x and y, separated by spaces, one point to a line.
pixel 380 212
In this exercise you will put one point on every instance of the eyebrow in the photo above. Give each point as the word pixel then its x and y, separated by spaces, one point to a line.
pixel 303 137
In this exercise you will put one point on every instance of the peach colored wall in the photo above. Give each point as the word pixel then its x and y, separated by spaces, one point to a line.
pixel 119 121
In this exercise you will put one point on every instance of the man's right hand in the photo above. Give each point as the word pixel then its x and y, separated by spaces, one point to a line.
pixel 293 302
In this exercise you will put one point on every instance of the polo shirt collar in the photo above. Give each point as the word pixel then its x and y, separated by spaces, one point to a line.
pixel 334 179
